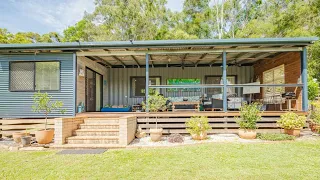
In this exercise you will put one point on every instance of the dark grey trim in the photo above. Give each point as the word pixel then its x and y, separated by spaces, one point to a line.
pixel 150 86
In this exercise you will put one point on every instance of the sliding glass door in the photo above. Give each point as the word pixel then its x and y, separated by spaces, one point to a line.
pixel 93 91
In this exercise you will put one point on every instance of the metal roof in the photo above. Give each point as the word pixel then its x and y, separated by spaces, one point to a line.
pixel 299 41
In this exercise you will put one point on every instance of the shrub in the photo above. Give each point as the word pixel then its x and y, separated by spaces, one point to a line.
pixel 313 88
pixel 156 102
pixel 197 124
pixel 249 115
pixel 315 112
pixel 275 137
pixel 176 138
pixel 291 120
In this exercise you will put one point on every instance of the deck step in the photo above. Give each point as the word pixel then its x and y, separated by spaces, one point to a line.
pixel 93 140
pixel 88 146
pixel 96 132
pixel 101 120
pixel 99 126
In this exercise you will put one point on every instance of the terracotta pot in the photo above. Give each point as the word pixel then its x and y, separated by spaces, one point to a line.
pixel 293 132
pixel 314 127
pixel 17 136
pixel 44 136
pixel 201 136
pixel 247 133
pixel 25 140
pixel 156 134
pixel 141 134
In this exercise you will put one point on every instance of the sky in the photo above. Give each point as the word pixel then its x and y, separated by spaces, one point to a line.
pixel 43 16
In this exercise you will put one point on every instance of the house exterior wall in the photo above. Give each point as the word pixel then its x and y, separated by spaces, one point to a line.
pixel 119 88
pixel 292 70
pixel 82 63
pixel 18 104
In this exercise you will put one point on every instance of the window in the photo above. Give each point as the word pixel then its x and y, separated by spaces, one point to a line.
pixel 274 76
pixel 138 85
pixel 34 76
pixel 218 80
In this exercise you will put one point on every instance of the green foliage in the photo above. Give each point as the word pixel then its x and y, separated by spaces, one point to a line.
pixel 275 137
pixel 44 104
pixel 315 112
pixel 156 102
pixel 291 120
pixel 197 124
pixel 313 88
pixel 249 115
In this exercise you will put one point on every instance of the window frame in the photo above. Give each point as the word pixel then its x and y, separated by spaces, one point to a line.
pixel 131 83
pixel 273 79
pixel 34 76
pixel 221 76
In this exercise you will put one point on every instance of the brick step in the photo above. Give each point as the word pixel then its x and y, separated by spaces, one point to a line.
pixel 96 132
pixel 88 146
pixel 93 140
pixel 99 126
pixel 101 120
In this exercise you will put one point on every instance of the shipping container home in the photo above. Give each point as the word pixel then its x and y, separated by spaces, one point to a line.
pixel 209 77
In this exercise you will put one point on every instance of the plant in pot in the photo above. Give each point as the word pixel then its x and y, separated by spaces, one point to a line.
pixel 155 102
pixel 26 139
pixel 198 126
pixel 44 104
pixel 249 115
pixel 292 123
pixel 314 116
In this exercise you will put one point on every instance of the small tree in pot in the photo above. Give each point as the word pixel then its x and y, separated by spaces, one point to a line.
pixel 43 104
pixel 249 115
pixel 292 123
pixel 156 102
pixel 198 126
pixel 314 115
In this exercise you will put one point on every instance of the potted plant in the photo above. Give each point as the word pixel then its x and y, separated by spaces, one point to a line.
pixel 156 102
pixel 314 116
pixel 26 139
pixel 17 136
pixel 44 104
pixel 292 123
pixel 249 115
pixel 198 126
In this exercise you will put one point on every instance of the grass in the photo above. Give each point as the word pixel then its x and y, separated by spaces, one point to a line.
pixel 275 137
pixel 283 160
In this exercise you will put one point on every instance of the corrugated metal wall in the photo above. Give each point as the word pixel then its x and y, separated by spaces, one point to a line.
pixel 119 80
pixel 18 104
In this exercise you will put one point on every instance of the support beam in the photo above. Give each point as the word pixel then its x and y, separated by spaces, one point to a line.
pixel 255 57
pixel 147 83
pixel 119 60
pixel 304 78
pixel 213 61
pixel 102 61
pixel 98 59
pixel 183 59
pixel 202 57
pixel 224 77
pixel 189 51
pixel 135 60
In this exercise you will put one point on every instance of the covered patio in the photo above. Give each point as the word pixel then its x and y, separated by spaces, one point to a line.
pixel 199 75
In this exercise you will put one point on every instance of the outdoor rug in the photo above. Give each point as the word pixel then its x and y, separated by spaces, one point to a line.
pixel 82 151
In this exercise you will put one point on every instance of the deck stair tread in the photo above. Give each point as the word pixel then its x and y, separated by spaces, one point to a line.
pixel 100 124
pixel 97 130
pixel 92 137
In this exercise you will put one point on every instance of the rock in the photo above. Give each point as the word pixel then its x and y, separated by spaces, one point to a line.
pixel 176 138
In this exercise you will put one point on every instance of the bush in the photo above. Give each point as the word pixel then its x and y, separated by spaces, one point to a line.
pixel 291 120
pixel 313 88
pixel 197 124
pixel 249 115
pixel 275 137
pixel 176 138
pixel 315 112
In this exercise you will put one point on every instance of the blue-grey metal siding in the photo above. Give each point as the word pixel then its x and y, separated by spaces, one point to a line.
pixel 18 104
pixel 119 80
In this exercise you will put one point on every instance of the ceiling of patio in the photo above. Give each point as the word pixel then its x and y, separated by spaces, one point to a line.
pixel 184 56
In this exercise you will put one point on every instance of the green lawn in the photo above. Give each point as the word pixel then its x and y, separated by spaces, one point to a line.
pixel 286 160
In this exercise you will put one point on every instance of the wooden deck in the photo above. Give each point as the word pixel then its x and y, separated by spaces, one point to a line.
pixel 181 114
pixel 174 122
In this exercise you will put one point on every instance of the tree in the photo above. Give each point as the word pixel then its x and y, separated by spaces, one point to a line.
pixel 78 32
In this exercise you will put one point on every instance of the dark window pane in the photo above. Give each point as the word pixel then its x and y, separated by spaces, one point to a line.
pixel 22 76
pixel 138 85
